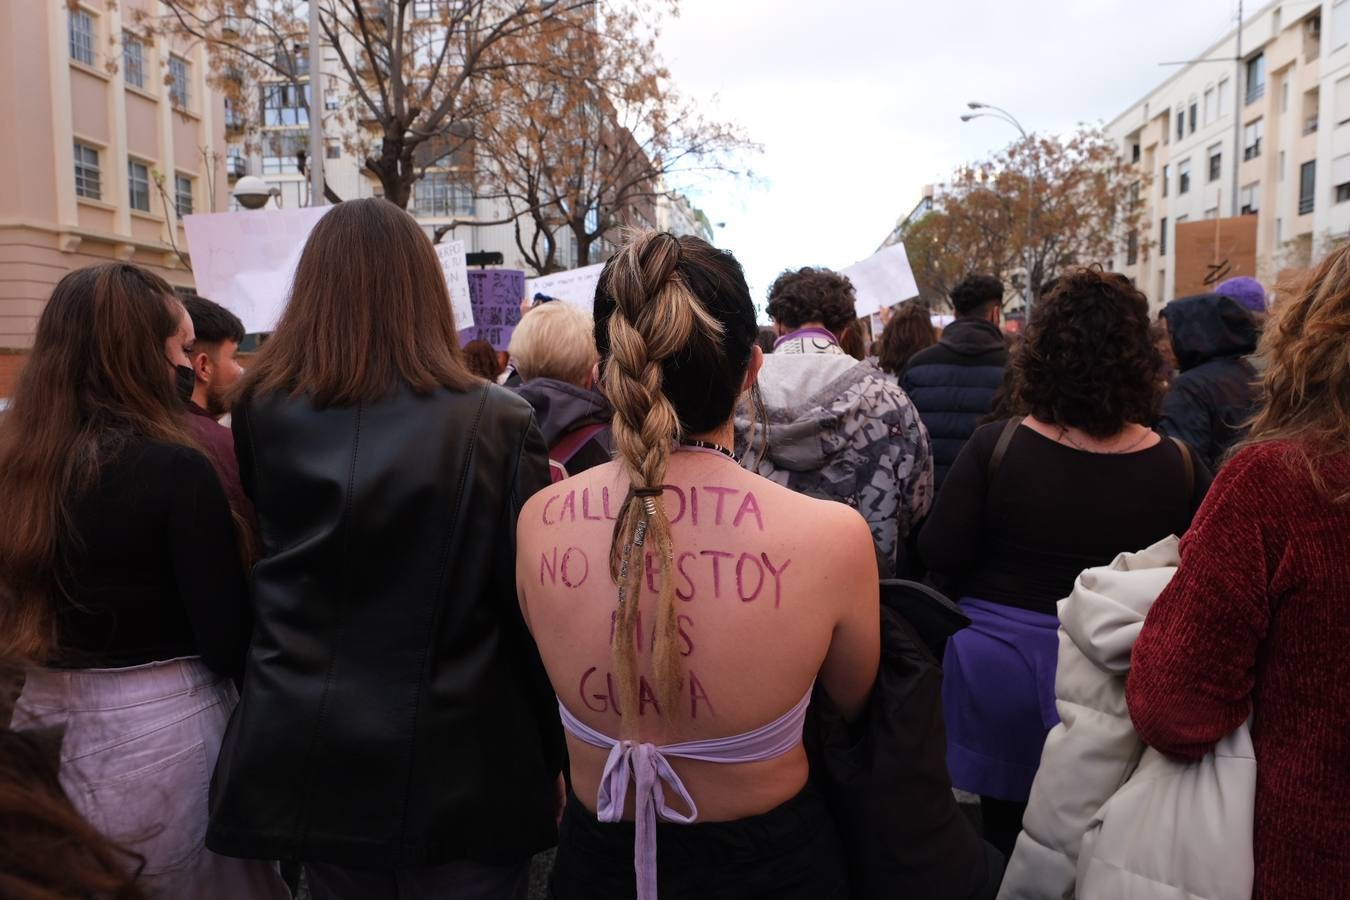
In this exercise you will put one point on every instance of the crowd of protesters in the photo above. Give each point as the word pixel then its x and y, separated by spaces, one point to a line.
pixel 630 588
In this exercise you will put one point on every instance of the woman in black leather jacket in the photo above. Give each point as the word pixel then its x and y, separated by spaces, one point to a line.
pixel 396 731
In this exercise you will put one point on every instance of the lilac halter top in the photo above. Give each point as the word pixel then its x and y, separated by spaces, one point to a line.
pixel 648 765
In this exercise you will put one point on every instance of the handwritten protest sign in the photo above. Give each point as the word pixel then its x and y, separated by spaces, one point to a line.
pixel 575 286
pixel 245 261
pixel 883 279
pixel 456 269
pixel 495 295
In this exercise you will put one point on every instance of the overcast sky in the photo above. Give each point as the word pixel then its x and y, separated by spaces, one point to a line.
pixel 857 103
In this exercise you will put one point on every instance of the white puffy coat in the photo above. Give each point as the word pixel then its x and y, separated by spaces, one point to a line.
pixel 1172 831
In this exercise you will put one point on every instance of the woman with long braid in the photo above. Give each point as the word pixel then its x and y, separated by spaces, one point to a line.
pixel 684 608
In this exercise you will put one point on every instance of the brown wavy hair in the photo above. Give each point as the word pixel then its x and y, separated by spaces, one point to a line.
pixel 1306 386
pixel 813 295
pixel 909 331
pixel 1088 361
pixel 675 328
pixel 97 375
pixel 369 311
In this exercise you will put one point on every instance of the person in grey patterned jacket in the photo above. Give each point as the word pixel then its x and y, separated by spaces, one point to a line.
pixel 836 428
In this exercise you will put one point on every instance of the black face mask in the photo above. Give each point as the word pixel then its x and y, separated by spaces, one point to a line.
pixel 185 379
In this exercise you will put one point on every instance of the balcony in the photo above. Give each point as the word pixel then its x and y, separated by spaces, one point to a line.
pixel 236 167
pixel 1305 205
pixel 1255 92
pixel 1310 125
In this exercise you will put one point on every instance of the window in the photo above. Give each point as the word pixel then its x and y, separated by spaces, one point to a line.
pixel 1343 192
pixel 1181 124
pixel 1134 196
pixel 1166 177
pixel 1132 249
pixel 1284 94
pixel 1134 154
pixel 333 151
pixel 138 185
pixel 88 181
pixel 182 195
pixel 236 166
pixel 441 194
pixel 178 81
pixel 1195 111
pixel 1211 112
pixel 1212 212
pixel 280 151
pixel 1223 97
pixel 233 120
pixel 293 60
pixel 1279 167
pixel 427 9
pixel 1162 237
pixel 1341 97
pixel 1251 139
pixel 1249 199
pixel 1340 25
pixel 1184 176
pixel 81 37
pixel 282 105
pixel 1215 162
pixel 1307 187
pixel 133 60
pixel 1256 78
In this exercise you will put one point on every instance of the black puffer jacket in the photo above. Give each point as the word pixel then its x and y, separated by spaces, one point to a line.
pixel 952 384
pixel 394 710
pixel 1210 402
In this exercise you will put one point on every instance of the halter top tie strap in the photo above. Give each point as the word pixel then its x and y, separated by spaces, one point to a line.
pixel 648 767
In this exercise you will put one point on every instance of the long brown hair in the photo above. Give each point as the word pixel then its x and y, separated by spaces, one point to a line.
pixel 675 327
pixel 97 375
pixel 369 310
pixel 909 331
pixel 1306 387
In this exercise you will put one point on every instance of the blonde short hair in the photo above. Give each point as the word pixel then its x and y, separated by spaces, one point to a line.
pixel 555 340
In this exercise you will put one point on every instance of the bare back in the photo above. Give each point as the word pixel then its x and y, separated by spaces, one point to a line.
pixel 772 589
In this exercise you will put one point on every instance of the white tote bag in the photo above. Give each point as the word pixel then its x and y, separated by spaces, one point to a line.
pixel 1174 830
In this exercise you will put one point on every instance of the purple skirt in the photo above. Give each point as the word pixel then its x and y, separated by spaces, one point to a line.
pixel 998 698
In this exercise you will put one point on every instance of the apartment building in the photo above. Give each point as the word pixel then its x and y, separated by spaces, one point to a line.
pixel 1280 113
pixel 109 138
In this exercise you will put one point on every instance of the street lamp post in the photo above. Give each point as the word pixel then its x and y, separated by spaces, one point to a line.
pixel 988 111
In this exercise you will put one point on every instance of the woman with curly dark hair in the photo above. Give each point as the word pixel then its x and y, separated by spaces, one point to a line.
pixel 909 331
pixel 1032 502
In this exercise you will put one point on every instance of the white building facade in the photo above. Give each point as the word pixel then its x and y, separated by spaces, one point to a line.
pixel 1290 94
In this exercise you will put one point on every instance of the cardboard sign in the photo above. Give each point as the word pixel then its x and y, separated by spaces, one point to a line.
pixel 1212 251
pixel 456 269
pixel 495 295
pixel 575 286
pixel 883 279
pixel 246 261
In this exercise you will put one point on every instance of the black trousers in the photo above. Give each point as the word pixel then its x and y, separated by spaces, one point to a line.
pixel 455 881
pixel 788 853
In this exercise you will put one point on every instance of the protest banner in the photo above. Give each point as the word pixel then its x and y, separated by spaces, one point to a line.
pixel 575 286
pixel 456 268
pixel 245 261
pixel 883 279
pixel 495 295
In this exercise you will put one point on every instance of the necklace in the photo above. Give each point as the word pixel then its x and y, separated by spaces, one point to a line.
pixel 1064 435
pixel 696 444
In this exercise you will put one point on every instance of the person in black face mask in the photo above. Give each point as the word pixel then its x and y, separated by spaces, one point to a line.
pixel 178 349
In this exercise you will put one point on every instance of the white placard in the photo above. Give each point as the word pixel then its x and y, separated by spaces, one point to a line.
pixel 456 268
pixel 575 286
pixel 883 279
pixel 246 260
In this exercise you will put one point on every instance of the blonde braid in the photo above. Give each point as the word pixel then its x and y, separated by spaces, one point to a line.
pixel 655 316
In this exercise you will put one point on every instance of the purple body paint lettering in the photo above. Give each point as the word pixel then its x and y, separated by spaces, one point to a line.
pixel 749 506
pixel 686 596
pixel 686 625
pixel 604 502
pixel 672 489
pixel 697 693
pixel 646 695
pixel 594 702
pixel 741 591
pixel 717 557
pixel 547 503
pixel 550 566
pixel 574 557
pixel 693 506
pixel 721 494
pixel 650 570
pixel 569 504
pixel 586 507
pixel 777 578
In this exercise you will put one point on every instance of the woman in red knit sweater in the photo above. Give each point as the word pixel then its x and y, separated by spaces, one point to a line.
pixel 1256 621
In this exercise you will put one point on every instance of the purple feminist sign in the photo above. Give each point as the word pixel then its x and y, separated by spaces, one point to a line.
pixel 495 295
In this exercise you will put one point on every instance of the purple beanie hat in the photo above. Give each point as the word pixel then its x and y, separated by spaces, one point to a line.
pixel 1246 290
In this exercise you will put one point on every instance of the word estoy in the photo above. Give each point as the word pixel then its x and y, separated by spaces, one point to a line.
pixel 707 505
pixel 745 576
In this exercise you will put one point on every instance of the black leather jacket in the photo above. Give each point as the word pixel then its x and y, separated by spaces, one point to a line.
pixel 394 709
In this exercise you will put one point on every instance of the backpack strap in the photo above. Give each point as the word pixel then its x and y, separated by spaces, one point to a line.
pixel 1001 448
pixel 1189 462
pixel 569 444
pixel 557 471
